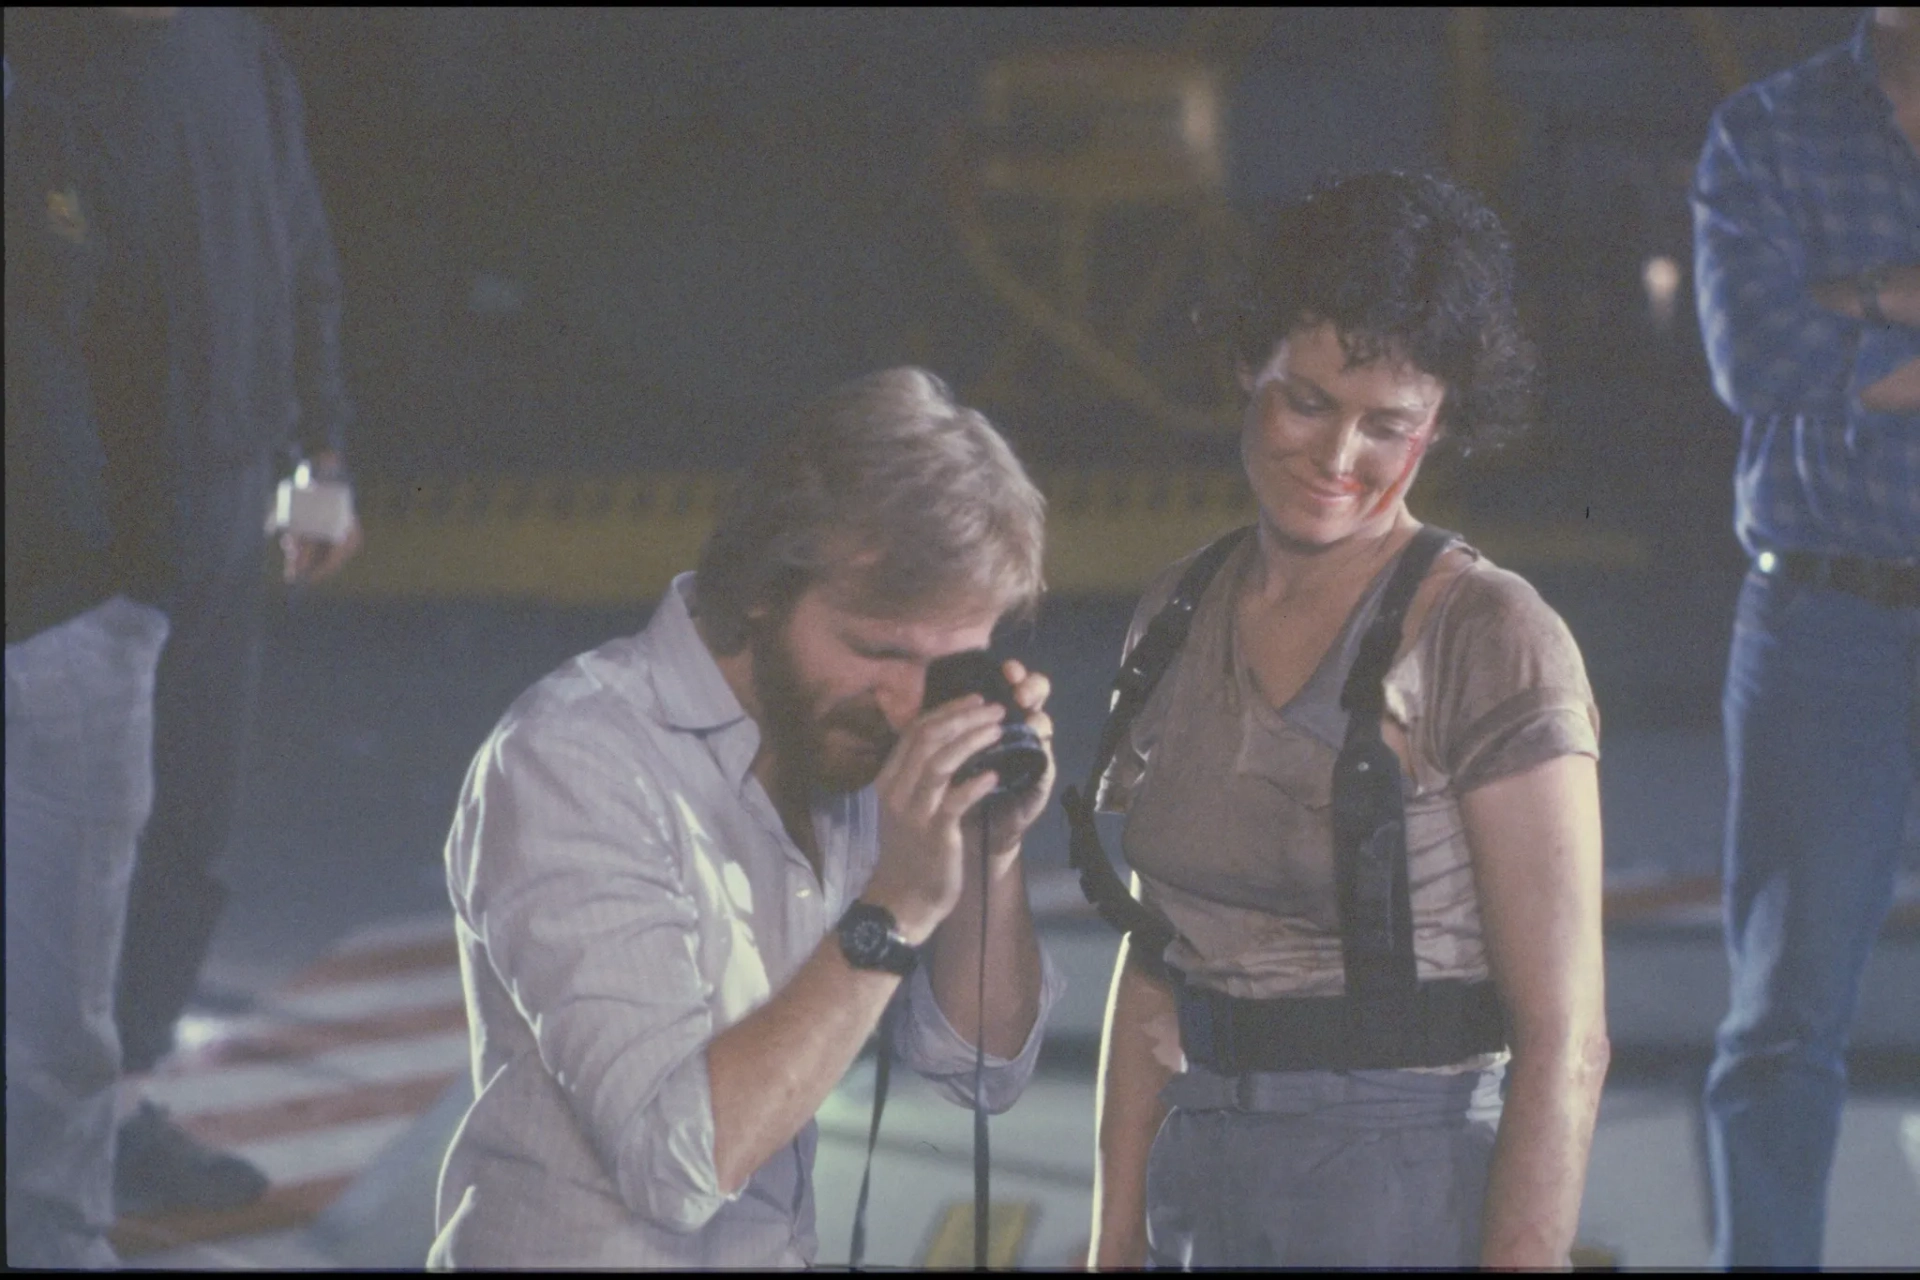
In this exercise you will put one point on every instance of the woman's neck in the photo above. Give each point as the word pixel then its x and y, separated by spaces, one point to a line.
pixel 1288 569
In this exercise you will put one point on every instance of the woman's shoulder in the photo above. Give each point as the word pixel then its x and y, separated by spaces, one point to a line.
pixel 1161 586
pixel 1481 601
pixel 1509 686
pixel 1493 635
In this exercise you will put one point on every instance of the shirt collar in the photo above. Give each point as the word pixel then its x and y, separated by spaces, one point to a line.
pixel 692 693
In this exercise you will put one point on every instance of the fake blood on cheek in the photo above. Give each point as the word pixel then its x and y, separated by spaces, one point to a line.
pixel 1394 492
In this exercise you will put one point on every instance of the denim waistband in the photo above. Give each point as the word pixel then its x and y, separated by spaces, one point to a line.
pixel 1361 1098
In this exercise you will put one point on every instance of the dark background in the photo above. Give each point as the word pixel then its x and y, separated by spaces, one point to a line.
pixel 592 237
pixel 579 240
pixel 700 216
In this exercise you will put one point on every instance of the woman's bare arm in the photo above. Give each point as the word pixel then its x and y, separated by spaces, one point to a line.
pixel 1139 1053
pixel 1535 842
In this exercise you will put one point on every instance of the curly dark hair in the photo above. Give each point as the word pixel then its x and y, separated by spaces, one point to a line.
pixel 1406 263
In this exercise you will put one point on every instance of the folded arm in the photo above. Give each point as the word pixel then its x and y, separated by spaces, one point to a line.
pixel 1779 341
pixel 1888 379
pixel 1898 392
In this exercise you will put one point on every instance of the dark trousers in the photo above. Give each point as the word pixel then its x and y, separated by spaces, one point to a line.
pixel 204 693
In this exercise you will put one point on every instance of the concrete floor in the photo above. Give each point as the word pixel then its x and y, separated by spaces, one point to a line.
pixel 1645 1205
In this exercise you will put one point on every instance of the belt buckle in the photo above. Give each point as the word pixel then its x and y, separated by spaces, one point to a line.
pixel 1792 566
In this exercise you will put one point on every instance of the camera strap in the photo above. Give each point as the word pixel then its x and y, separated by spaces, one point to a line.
pixel 883 1069
pixel 980 1161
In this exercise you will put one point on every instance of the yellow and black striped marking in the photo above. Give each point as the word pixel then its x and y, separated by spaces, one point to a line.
pixel 619 539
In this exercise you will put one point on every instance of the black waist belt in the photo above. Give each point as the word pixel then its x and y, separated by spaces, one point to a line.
pixel 1436 1024
pixel 1892 584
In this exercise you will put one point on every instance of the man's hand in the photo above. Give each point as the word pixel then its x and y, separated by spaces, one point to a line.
pixel 1899 296
pixel 1012 815
pixel 1898 392
pixel 919 876
pixel 314 559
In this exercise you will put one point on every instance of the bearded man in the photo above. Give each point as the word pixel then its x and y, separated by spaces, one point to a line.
pixel 693 867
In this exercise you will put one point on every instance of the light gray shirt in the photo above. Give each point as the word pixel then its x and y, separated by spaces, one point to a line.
pixel 624 890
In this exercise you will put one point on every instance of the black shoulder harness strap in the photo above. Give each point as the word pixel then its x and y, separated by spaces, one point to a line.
pixel 1369 818
pixel 1140 670
pixel 1375 917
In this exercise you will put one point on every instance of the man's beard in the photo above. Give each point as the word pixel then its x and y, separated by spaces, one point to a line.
pixel 802 736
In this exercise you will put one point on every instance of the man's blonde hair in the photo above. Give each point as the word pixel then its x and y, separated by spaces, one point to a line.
pixel 887 475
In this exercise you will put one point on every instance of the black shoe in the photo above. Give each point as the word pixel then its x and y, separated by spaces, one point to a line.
pixel 161 1168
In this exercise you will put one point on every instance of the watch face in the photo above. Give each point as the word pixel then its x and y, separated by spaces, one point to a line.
pixel 868 937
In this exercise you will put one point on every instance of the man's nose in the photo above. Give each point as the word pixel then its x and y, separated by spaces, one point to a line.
pixel 899 695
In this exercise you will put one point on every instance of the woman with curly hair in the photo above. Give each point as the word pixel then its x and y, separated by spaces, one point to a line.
pixel 1376 1036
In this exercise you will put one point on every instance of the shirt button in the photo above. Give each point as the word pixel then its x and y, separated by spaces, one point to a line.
pixel 804 892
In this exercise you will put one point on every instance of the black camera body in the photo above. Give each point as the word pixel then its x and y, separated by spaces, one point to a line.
pixel 1018 757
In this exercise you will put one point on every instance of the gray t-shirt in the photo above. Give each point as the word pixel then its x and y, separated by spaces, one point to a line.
pixel 1228 799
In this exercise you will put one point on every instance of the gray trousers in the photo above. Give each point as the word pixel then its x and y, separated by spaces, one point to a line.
pixel 1321 1169
pixel 79 785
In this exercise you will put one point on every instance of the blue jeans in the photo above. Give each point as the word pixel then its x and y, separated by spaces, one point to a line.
pixel 1821 712
pixel 79 783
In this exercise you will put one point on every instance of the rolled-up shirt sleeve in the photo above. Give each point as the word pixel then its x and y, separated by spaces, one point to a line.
pixel 927 1042
pixel 577 891
pixel 1772 349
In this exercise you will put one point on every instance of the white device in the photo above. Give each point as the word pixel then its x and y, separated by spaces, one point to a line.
pixel 311 508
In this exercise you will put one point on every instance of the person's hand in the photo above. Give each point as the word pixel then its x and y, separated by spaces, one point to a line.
pixel 308 559
pixel 1899 296
pixel 1898 392
pixel 1012 815
pixel 919 875
pixel 316 560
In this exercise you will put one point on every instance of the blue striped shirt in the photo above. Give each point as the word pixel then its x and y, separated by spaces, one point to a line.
pixel 1806 177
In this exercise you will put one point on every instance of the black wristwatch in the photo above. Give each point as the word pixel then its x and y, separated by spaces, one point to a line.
pixel 870 939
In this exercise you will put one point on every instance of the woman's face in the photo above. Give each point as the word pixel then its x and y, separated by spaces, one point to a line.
pixel 1331 450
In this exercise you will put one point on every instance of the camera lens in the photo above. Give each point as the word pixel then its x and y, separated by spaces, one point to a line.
pixel 1018 758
